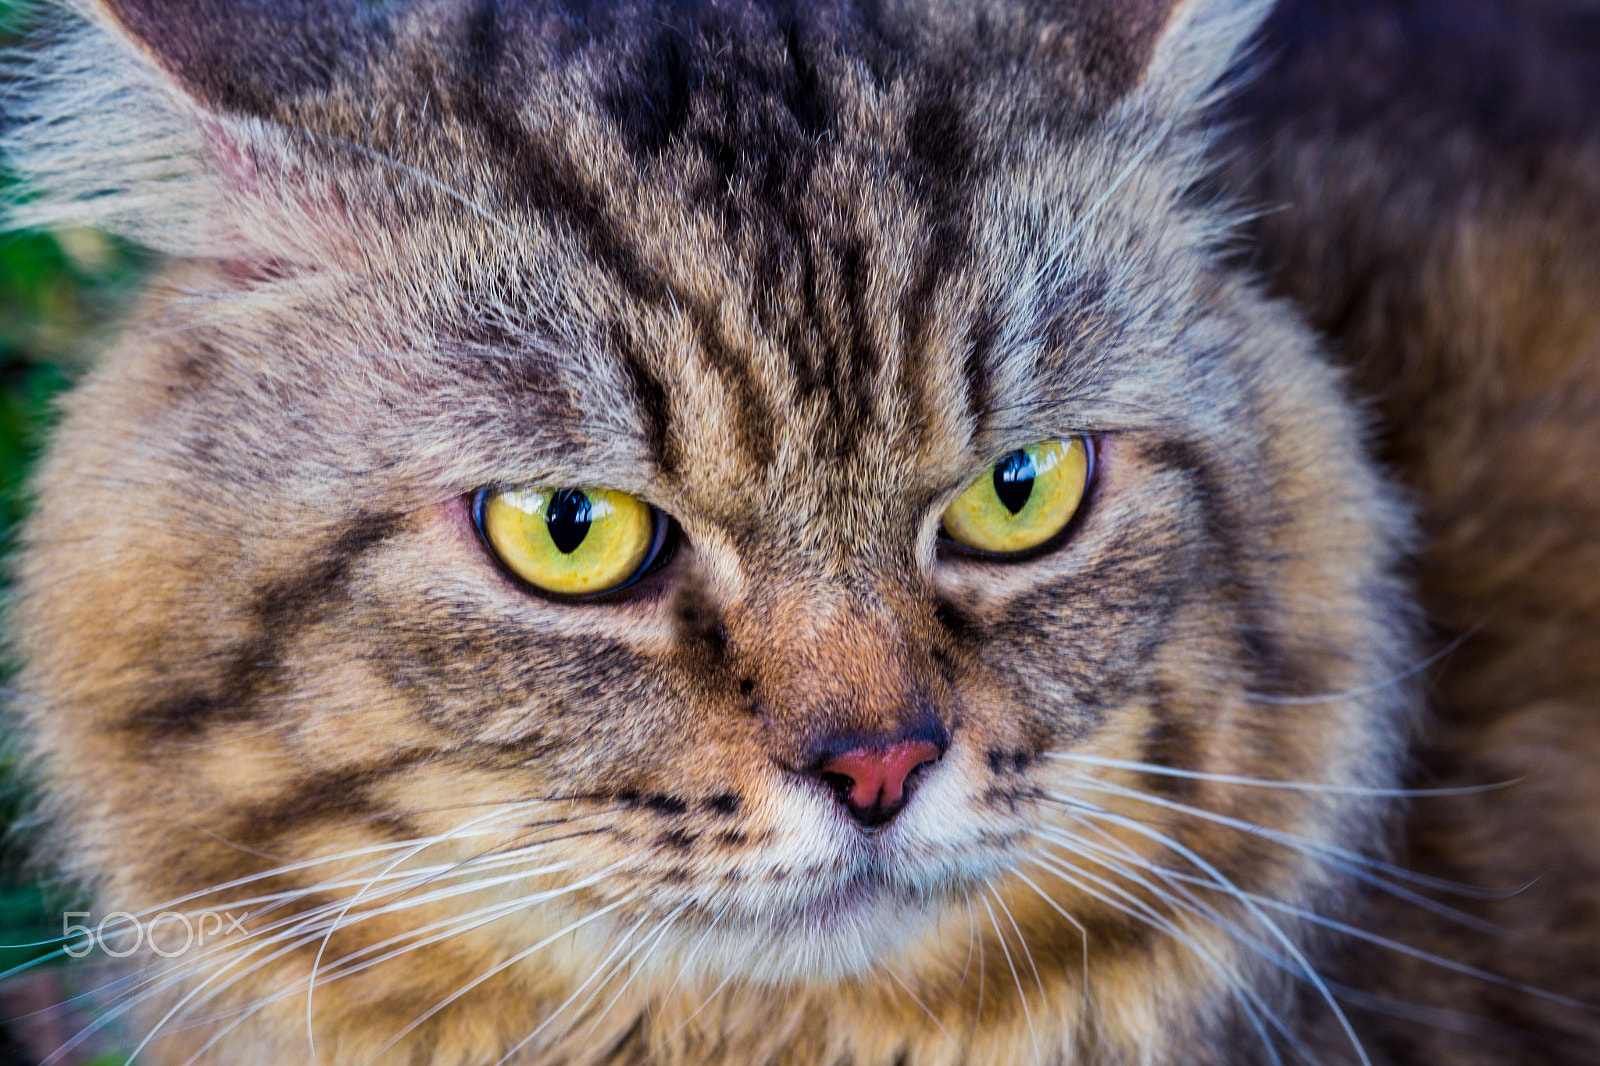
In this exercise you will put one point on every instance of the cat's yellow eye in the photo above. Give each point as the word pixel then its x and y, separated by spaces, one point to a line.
pixel 1022 501
pixel 571 542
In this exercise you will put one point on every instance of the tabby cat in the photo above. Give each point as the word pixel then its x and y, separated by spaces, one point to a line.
pixel 749 532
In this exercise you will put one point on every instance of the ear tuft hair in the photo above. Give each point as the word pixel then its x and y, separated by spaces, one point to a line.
pixel 246 56
pixel 1164 53
pixel 96 141
pixel 1195 43
pixel 158 119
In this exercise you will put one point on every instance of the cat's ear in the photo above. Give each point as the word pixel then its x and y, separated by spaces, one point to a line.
pixel 244 57
pixel 1177 49
pixel 172 123
pixel 1164 53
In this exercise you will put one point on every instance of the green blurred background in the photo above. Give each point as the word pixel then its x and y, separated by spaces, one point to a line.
pixel 60 296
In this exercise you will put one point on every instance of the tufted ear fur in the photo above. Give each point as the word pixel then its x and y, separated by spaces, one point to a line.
pixel 242 55
pixel 1173 50
pixel 246 56
pixel 1193 42
pixel 1165 53
pixel 169 121
pixel 188 124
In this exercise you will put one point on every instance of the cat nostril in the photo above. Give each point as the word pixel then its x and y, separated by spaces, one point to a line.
pixel 871 782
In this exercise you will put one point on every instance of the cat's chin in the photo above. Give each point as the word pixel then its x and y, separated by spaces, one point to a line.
pixel 893 892
pixel 849 931
pixel 853 927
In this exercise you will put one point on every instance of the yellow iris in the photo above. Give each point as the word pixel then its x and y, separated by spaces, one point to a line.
pixel 574 542
pixel 1023 500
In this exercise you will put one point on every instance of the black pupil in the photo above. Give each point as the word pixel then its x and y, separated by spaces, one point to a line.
pixel 567 517
pixel 1013 480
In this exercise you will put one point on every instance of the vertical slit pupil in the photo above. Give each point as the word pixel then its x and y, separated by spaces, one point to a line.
pixel 567 516
pixel 1013 480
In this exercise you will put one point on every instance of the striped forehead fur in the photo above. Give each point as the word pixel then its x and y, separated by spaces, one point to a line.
pixel 832 142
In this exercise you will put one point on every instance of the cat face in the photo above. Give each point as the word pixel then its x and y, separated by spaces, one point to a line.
pixel 794 283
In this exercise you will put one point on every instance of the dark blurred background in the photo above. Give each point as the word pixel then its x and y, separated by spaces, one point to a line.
pixel 60 296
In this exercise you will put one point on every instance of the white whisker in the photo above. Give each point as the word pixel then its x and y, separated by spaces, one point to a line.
pixel 1083 934
pixel 659 935
pixel 576 992
pixel 974 935
pixel 1395 945
pixel 1291 786
pixel 498 969
pixel 1176 896
pixel 1271 927
pixel 1251 1002
pixel 311 981
pixel 918 1001
pixel 693 950
pixel 1341 858
pixel 715 992
pixel 1027 1012
pixel 452 927
pixel 310 926
pixel 1369 689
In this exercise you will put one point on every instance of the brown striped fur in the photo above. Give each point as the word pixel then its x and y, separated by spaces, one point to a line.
pixel 795 274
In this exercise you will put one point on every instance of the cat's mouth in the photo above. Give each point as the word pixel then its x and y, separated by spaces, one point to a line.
pixel 881 880
pixel 888 894
pixel 854 897
pixel 842 930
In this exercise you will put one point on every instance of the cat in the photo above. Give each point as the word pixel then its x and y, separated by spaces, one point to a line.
pixel 768 533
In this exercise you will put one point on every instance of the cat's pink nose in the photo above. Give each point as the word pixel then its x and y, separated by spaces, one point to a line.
pixel 872 781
